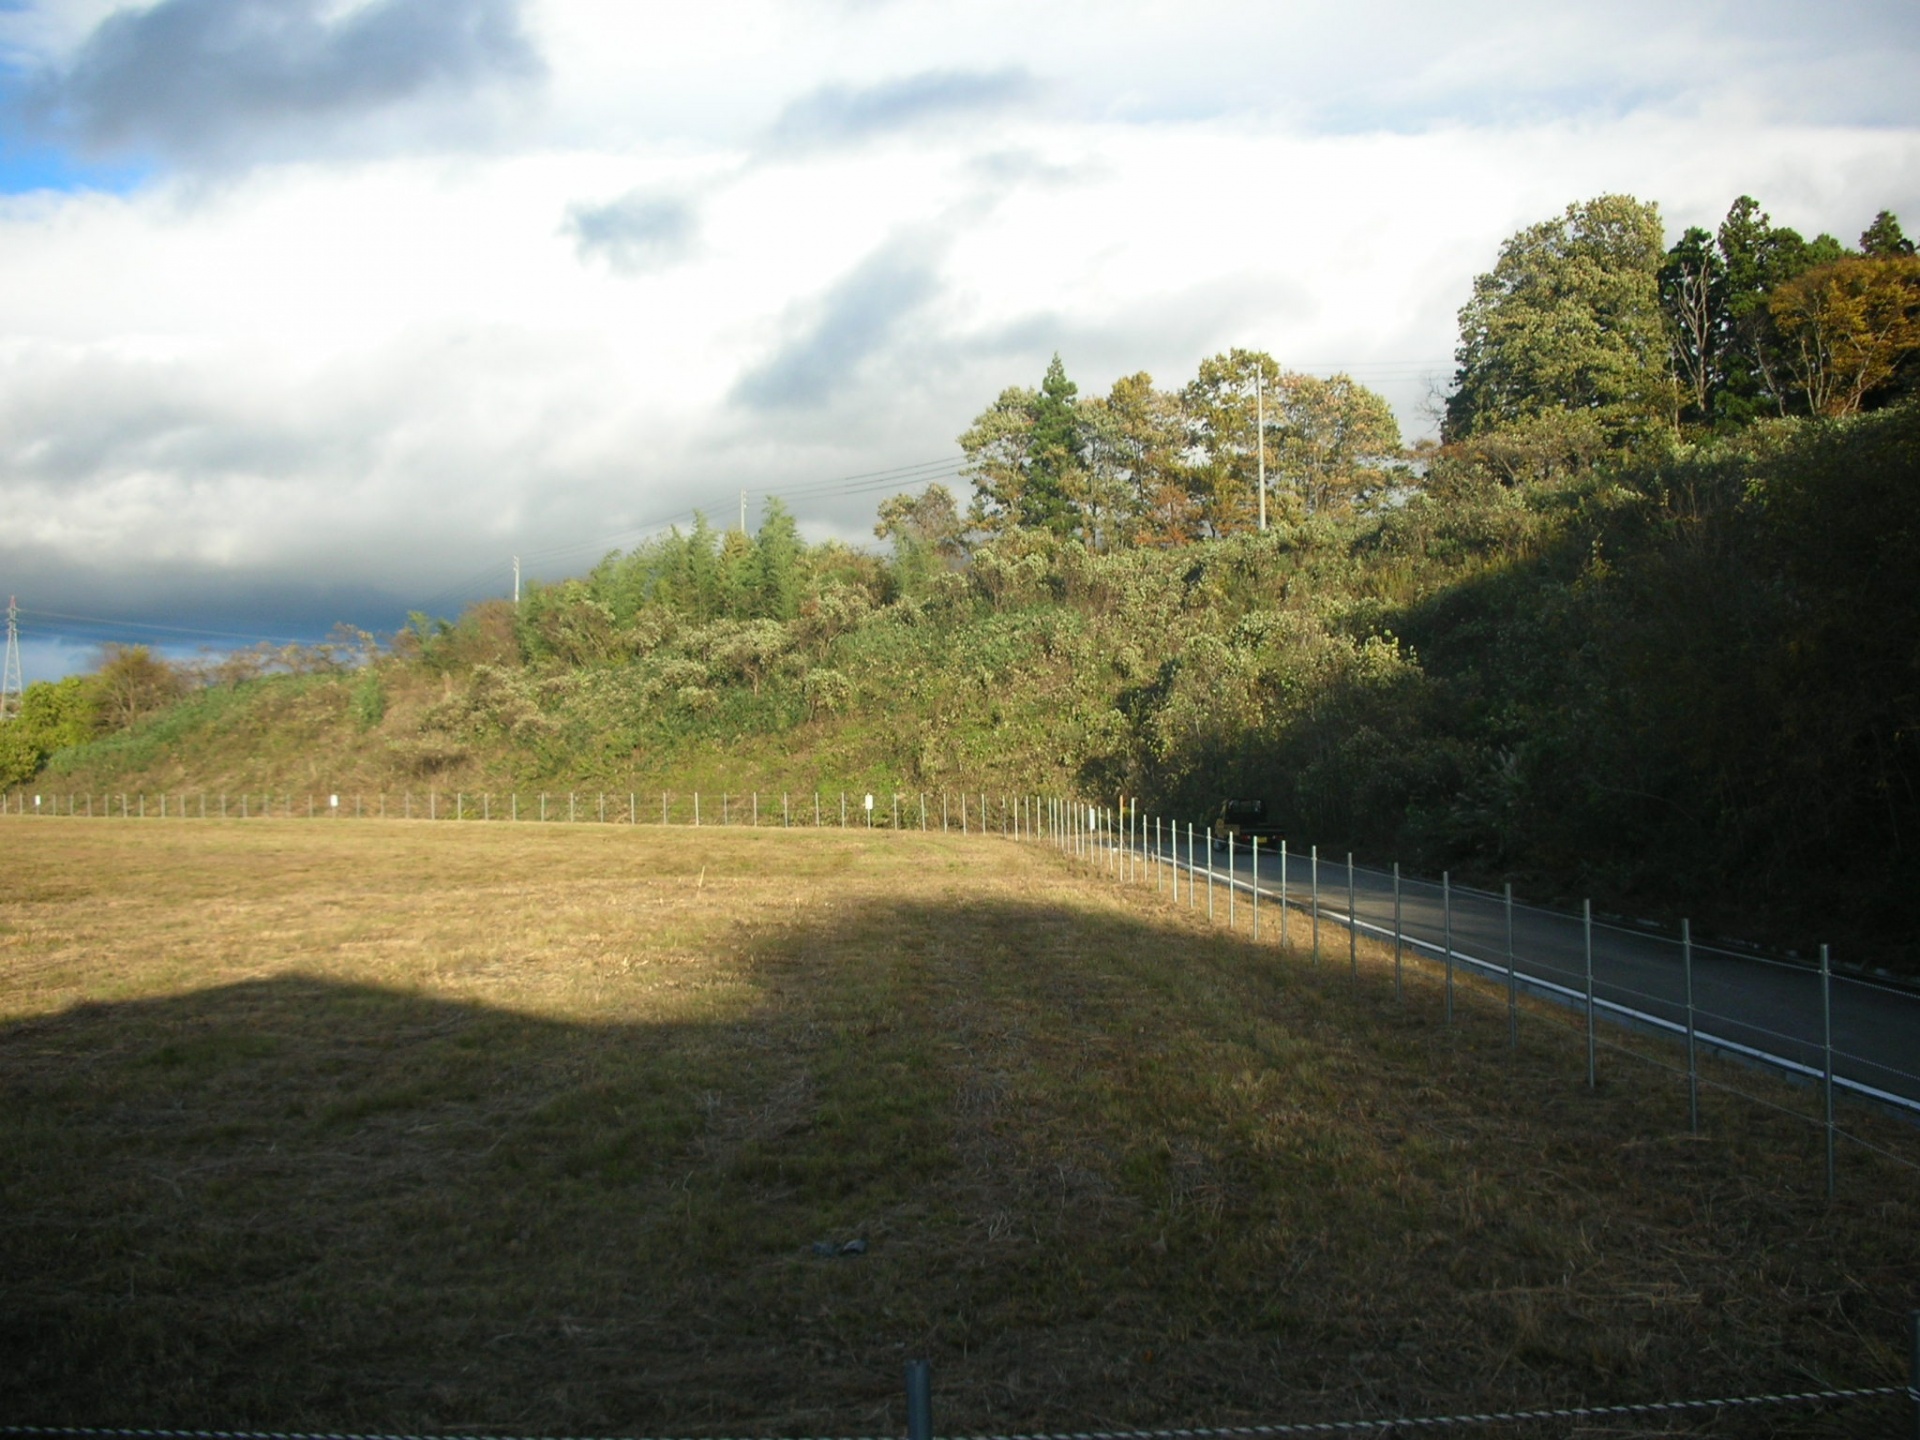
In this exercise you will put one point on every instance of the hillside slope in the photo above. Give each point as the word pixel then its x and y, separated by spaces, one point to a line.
pixel 1689 684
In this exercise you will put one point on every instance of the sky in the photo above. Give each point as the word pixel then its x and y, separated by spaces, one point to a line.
pixel 324 310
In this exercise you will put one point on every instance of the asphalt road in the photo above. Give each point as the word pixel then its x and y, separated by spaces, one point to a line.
pixel 1768 1009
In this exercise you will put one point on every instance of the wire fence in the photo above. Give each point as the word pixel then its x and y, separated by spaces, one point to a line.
pixel 920 1418
pixel 1850 1034
pixel 964 812
pixel 1844 1036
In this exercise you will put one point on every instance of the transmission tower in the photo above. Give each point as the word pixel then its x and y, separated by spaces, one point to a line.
pixel 10 683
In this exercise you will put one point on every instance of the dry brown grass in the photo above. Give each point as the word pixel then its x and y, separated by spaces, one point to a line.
pixel 533 1129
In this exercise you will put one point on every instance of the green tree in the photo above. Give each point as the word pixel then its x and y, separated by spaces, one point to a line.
pixel 928 535
pixel 748 649
pixel 1568 318
pixel 778 552
pixel 1884 239
pixel 1339 441
pixel 1026 457
pixel 54 714
pixel 1142 480
pixel 1757 257
pixel 1055 457
pixel 1220 410
pixel 131 683
pixel 739 565
pixel 1693 293
pixel 702 586
pixel 997 446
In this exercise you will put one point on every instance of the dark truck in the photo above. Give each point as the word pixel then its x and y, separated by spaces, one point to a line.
pixel 1242 821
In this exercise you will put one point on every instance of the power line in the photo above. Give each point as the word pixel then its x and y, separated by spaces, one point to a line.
pixel 122 622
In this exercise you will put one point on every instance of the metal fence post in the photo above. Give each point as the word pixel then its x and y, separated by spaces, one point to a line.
pixel 1586 921
pixel 1396 929
pixel 1353 922
pixel 1826 1043
pixel 919 1401
pixel 1314 873
pixel 1209 876
pixel 1256 889
pixel 1191 902
pixel 1230 885
pixel 1446 934
pixel 1283 894
pixel 1693 1066
pixel 1513 982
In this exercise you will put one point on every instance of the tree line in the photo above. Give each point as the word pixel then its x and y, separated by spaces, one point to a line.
pixel 1590 330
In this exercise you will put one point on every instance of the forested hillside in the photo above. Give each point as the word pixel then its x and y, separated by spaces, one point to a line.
pixel 1644 625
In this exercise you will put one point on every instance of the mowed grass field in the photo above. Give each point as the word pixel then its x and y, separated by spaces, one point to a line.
pixel 537 1129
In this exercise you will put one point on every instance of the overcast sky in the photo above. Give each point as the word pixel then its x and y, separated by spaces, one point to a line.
pixel 313 310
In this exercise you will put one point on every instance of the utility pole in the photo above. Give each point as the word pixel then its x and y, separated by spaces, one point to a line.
pixel 11 688
pixel 516 582
pixel 1260 439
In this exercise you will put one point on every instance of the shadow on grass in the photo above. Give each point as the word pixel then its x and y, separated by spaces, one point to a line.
pixel 1110 1170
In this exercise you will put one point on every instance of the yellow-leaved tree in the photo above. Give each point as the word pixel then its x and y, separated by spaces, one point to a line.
pixel 1848 326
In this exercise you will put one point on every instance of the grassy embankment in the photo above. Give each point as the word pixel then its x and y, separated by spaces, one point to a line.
pixel 534 1129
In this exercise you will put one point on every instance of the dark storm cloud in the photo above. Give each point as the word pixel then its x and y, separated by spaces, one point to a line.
pixel 841 114
pixel 199 79
pixel 634 233
pixel 854 320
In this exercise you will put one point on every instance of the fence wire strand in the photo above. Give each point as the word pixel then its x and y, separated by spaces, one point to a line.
pixel 1211 1432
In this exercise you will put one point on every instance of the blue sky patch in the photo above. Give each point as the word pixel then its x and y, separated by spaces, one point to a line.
pixel 26 168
